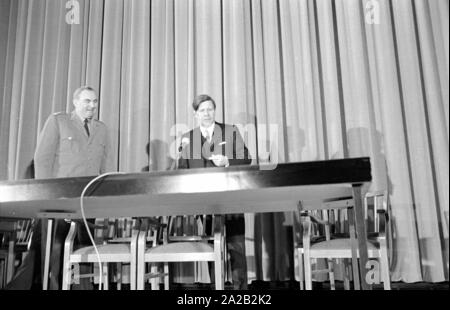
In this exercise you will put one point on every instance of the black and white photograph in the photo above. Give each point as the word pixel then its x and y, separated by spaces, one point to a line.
pixel 223 152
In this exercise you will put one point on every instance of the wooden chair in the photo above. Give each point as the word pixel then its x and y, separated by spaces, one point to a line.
pixel 15 240
pixel 190 228
pixel 298 244
pixel 201 248
pixel 113 247
pixel 326 234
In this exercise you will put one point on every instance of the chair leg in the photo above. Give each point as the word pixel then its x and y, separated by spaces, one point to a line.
pixel 308 272
pixel 66 272
pixel 140 262
pixel 67 276
pixel 133 274
pixel 140 275
pixel 355 272
pixel 222 266
pixel 218 274
pixel 386 277
pixel 300 269
pixel 48 244
pixel 384 266
pixel 119 276
pixel 105 276
pixel 2 275
pixel 346 274
pixel 331 274
pixel 10 262
pixel 154 281
pixel 166 276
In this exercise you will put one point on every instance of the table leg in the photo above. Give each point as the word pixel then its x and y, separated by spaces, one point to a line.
pixel 48 245
pixel 354 243
pixel 361 235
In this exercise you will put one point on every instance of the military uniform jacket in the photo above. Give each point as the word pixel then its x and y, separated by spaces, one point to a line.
pixel 65 150
pixel 226 140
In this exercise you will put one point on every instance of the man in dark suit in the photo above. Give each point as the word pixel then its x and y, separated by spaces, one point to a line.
pixel 213 144
pixel 70 145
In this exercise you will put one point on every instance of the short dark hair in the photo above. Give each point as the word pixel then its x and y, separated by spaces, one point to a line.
pixel 81 89
pixel 200 99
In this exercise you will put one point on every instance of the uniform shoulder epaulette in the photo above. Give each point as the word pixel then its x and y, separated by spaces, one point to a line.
pixel 97 121
pixel 61 114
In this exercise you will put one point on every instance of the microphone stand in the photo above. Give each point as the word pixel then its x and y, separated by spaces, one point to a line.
pixel 174 165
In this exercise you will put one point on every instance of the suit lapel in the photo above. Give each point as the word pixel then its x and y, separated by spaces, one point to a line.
pixel 218 138
pixel 197 141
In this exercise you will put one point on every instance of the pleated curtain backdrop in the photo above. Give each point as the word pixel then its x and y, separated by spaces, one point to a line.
pixel 335 79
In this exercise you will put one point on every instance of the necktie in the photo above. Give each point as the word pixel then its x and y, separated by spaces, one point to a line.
pixel 207 136
pixel 86 126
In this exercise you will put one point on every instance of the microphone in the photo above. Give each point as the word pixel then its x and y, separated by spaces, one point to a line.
pixel 185 141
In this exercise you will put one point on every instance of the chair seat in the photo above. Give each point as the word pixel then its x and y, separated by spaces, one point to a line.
pixel 190 238
pixel 340 248
pixel 107 252
pixel 181 252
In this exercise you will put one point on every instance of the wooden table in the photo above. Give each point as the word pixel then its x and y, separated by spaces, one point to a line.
pixel 236 189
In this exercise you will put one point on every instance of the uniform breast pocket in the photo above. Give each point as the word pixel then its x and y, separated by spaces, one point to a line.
pixel 69 145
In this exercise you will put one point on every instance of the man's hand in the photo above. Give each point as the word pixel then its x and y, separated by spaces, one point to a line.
pixel 220 160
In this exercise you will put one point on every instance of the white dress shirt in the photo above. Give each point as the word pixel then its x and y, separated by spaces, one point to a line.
pixel 209 129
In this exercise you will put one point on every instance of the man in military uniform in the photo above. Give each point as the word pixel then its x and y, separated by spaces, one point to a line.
pixel 70 145
pixel 73 145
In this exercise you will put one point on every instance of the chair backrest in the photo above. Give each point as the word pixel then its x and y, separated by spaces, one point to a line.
pixel 191 227
pixel 107 229
pixel 375 203
pixel 183 225
pixel 317 231
pixel 20 232
pixel 25 232
pixel 154 229
pixel 7 235
pixel 335 213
